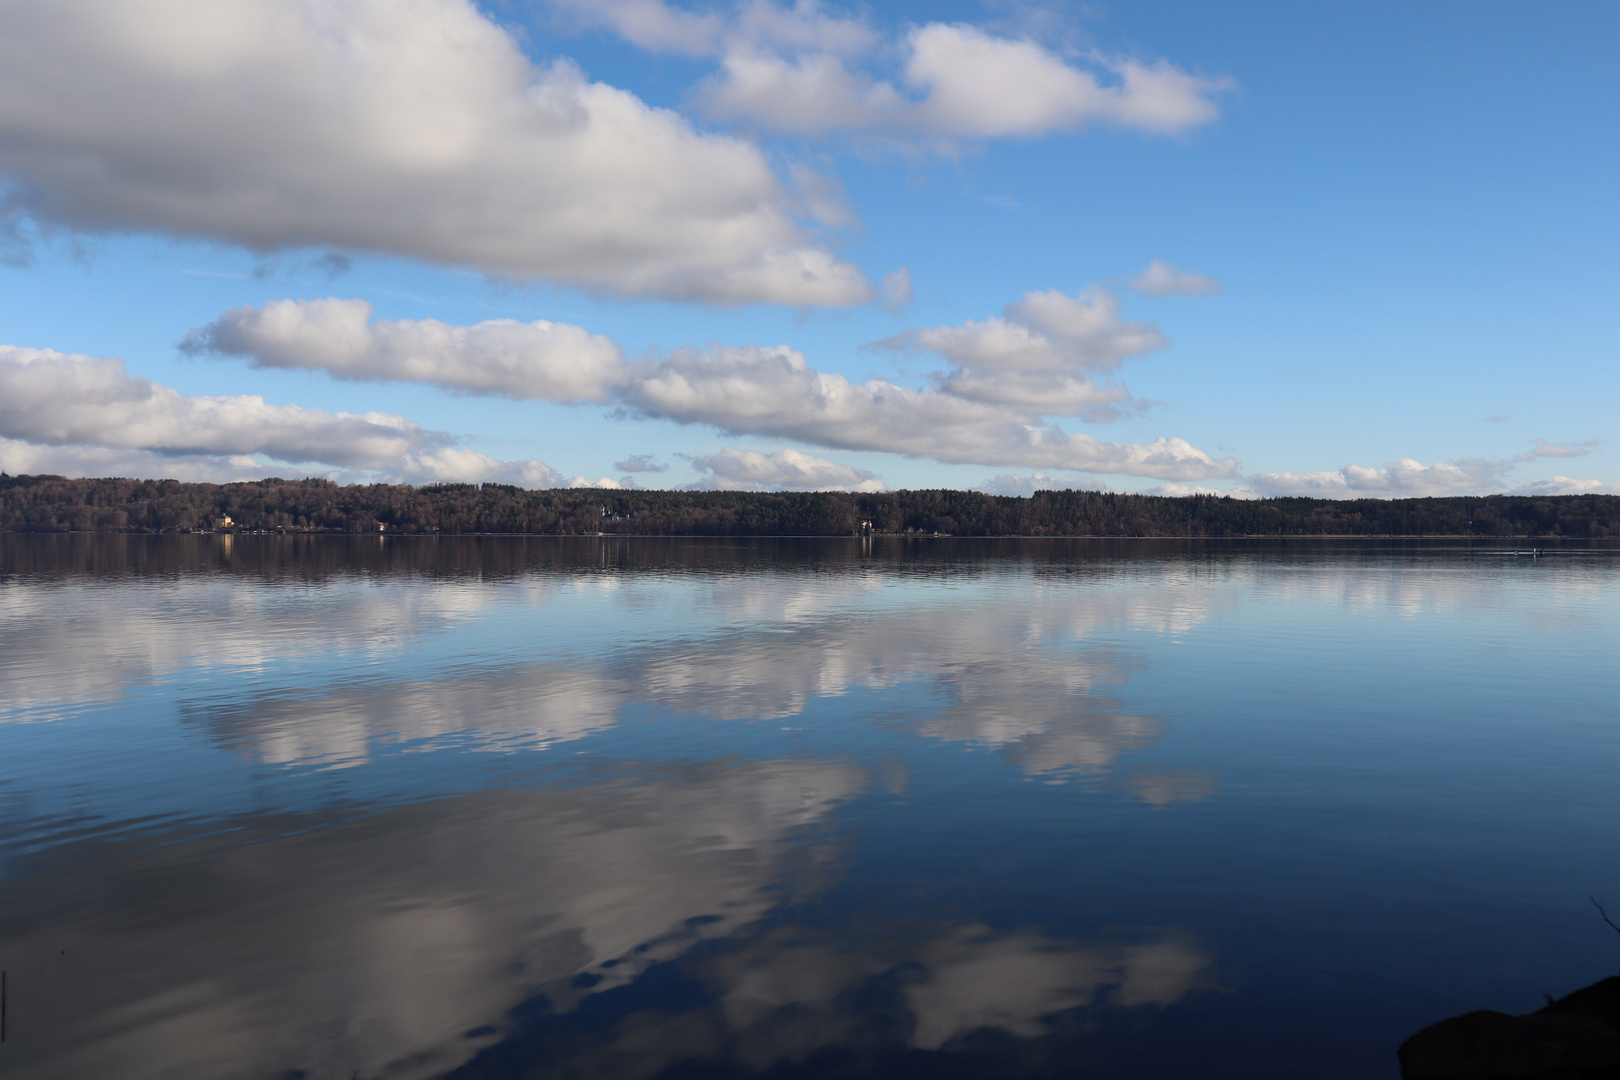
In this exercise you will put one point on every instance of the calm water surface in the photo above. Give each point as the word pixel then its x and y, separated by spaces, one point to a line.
pixel 506 807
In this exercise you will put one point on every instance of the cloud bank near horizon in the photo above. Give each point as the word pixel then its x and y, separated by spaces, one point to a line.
pixel 789 470
pixel 68 413
pixel 991 407
pixel 1005 376
pixel 83 415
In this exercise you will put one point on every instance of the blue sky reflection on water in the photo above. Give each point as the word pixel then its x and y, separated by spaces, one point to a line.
pixel 765 808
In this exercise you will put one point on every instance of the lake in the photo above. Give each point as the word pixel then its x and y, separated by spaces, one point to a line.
pixel 486 807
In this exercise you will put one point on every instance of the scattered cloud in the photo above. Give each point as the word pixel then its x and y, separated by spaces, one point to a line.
pixel 1563 485
pixel 1006 375
pixel 1046 330
pixel 447 465
pixel 801 71
pixel 1403 479
pixel 650 24
pixel 51 399
pixel 1024 485
pixel 897 289
pixel 658 27
pixel 58 398
pixel 1039 355
pixel 1182 491
pixel 538 360
pixel 980 85
pixel 21 458
pixel 1497 418
pixel 753 470
pixel 750 390
pixel 606 483
pixel 85 415
pixel 637 463
pixel 453 464
pixel 418 130
pixel 1543 448
pixel 955 82
pixel 1163 279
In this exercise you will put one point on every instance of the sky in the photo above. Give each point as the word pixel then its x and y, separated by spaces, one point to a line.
pixel 1256 248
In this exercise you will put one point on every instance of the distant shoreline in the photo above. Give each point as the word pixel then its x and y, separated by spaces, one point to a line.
pixel 337 533
pixel 61 505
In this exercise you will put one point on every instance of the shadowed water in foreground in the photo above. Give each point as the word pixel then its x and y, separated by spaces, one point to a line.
pixel 604 807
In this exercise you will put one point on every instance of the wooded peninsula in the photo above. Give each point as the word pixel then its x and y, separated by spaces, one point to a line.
pixel 60 504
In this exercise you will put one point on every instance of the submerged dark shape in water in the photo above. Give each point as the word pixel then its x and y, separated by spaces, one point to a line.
pixel 1576 1037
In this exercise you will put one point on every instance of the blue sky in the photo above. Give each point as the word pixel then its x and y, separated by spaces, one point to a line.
pixel 1386 238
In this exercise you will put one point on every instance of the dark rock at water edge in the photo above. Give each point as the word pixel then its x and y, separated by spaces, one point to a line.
pixel 1574 1038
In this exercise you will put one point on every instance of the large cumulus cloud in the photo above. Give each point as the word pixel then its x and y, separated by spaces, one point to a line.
pixel 415 128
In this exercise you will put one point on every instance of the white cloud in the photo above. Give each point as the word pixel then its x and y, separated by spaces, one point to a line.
pixel 749 390
pixel 751 470
pixel 1543 448
pixel 987 409
pixel 1024 485
pixel 805 95
pixel 821 197
pixel 651 24
pixel 1163 279
pixel 1403 479
pixel 1046 330
pixel 658 27
pixel 452 464
pixel 539 360
pixel 1563 485
pixel 897 290
pixel 804 26
pixel 415 129
pixel 627 483
pixel 25 458
pixel 84 415
pixel 58 398
pixel 959 82
pixel 641 463
pixel 1039 355
pixel 979 85
pixel 1182 491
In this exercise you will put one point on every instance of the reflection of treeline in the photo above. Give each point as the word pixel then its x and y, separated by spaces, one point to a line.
pixel 56 504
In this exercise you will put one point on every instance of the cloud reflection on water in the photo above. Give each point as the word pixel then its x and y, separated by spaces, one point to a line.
pixel 82 642
pixel 797 994
pixel 344 947
pixel 955 979
pixel 370 947
pixel 1000 679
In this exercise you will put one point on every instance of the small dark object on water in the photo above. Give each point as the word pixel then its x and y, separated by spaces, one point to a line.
pixel 1576 1037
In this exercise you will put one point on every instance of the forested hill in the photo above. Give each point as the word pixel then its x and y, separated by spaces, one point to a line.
pixel 57 504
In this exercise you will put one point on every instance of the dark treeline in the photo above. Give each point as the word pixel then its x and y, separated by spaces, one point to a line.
pixel 57 504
